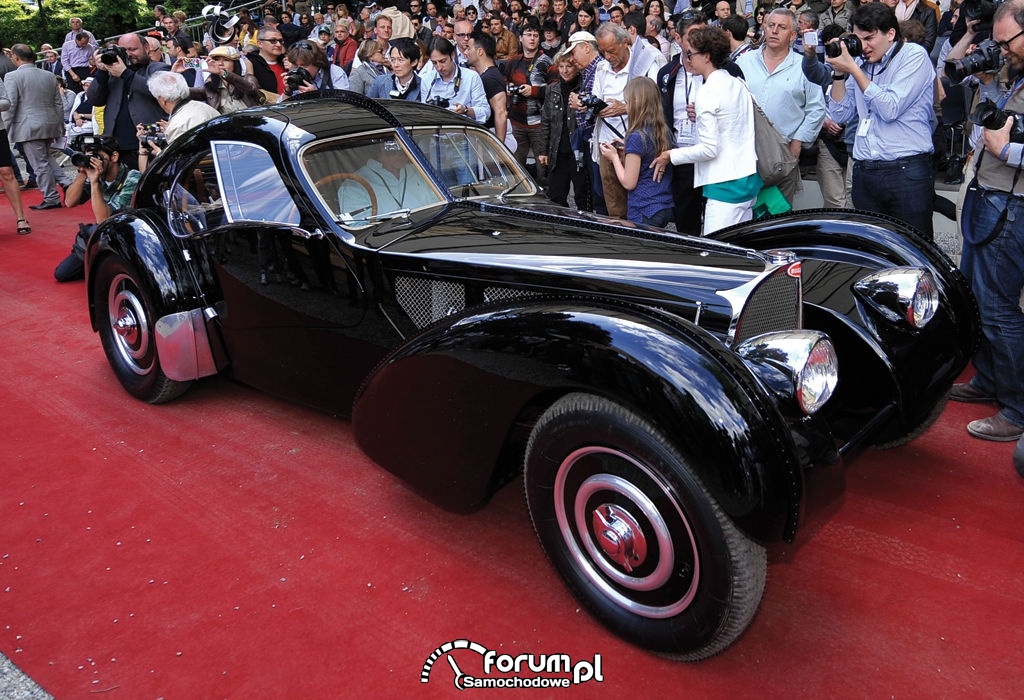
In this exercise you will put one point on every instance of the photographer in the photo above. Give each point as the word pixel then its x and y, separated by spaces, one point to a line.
pixel 994 245
pixel 311 71
pixel 106 182
pixel 120 87
pixel 172 94
pixel 453 87
pixel 888 87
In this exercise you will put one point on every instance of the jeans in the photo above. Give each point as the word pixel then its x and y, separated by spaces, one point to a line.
pixel 902 188
pixel 997 277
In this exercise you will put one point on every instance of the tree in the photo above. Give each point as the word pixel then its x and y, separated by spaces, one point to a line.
pixel 48 23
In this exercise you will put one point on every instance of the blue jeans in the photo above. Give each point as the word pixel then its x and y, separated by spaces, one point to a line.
pixel 997 277
pixel 903 189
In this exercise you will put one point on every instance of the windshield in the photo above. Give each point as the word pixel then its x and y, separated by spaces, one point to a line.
pixel 472 162
pixel 370 177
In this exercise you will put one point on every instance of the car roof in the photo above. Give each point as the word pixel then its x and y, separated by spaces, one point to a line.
pixel 342 112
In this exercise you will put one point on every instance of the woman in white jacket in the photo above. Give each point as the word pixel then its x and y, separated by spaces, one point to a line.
pixel 724 159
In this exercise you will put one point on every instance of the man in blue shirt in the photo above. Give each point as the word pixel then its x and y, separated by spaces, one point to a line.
pixel 887 97
pixel 795 106
pixel 456 87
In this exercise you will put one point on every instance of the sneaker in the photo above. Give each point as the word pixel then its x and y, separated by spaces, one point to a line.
pixel 966 392
pixel 995 428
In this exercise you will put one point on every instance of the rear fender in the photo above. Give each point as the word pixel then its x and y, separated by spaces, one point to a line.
pixel 439 412
pixel 187 337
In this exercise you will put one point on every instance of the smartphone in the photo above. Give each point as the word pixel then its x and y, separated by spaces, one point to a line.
pixel 192 63
pixel 811 38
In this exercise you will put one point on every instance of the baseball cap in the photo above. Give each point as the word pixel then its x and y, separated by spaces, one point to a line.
pixel 578 38
pixel 228 52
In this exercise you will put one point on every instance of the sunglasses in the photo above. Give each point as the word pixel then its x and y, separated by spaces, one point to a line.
pixel 273 41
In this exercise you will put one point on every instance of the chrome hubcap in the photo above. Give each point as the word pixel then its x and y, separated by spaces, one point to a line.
pixel 128 321
pixel 620 536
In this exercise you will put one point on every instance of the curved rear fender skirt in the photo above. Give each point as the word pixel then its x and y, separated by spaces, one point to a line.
pixel 183 345
pixel 156 255
pixel 439 410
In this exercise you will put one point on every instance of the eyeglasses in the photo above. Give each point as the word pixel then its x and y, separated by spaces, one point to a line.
pixel 1005 45
pixel 463 35
pixel 273 41
pixel 691 54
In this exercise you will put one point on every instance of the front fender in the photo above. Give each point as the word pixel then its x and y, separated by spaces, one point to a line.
pixel 440 411
pixel 909 369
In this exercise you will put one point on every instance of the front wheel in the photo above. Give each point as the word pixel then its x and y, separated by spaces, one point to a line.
pixel 635 535
pixel 126 324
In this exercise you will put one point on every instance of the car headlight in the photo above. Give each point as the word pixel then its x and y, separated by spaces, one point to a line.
pixel 797 364
pixel 901 294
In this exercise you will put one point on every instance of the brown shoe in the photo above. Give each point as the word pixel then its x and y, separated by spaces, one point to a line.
pixel 967 393
pixel 995 428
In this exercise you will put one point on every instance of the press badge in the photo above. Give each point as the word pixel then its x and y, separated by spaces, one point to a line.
pixel 865 127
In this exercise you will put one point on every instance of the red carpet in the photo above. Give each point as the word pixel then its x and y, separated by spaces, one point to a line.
pixel 231 545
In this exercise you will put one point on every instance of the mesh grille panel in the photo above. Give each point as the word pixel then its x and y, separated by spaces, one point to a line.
pixel 773 306
pixel 427 301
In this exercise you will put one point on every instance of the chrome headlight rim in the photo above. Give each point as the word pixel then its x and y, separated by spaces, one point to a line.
pixel 902 295
pixel 805 360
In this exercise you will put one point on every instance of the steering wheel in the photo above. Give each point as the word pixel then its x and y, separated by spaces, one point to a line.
pixel 334 180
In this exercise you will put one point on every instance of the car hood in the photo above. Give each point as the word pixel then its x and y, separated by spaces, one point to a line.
pixel 555 249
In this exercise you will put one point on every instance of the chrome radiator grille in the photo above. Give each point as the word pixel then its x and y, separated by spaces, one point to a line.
pixel 773 305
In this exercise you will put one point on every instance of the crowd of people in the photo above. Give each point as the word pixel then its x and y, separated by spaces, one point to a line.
pixel 645 112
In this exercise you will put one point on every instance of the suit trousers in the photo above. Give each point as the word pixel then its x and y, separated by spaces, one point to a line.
pixel 37 153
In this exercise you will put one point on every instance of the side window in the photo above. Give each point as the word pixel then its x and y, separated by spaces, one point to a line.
pixel 253 189
pixel 194 203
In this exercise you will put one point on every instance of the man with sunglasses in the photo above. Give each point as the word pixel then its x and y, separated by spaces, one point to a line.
pixel 267 61
pixel 886 93
pixel 993 256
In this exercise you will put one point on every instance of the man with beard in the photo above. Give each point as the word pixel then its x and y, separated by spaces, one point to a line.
pixel 994 253
pixel 121 88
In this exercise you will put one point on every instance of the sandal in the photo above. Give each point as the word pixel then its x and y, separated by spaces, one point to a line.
pixel 23 227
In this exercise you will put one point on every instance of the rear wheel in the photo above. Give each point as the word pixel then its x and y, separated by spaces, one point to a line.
pixel 126 326
pixel 634 533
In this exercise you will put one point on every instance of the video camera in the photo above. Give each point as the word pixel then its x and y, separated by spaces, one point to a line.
pixel 983 10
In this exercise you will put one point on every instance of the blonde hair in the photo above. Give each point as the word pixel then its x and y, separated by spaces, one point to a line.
pixel 643 105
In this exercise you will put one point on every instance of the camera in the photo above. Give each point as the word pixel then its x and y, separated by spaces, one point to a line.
pixel 110 54
pixel 853 46
pixel 983 10
pixel 296 78
pixel 153 135
pixel 988 115
pixel 84 148
pixel 986 58
pixel 593 105
pixel 438 101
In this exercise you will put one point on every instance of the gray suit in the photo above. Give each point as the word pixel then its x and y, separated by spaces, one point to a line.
pixel 35 119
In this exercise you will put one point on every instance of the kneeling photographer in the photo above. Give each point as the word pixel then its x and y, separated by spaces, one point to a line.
pixel 310 70
pixel 102 180
pixel 172 94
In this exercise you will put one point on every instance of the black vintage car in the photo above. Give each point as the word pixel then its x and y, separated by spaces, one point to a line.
pixel 675 404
